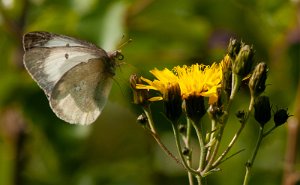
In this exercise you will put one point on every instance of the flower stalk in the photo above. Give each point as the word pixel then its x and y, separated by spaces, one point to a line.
pixel 186 91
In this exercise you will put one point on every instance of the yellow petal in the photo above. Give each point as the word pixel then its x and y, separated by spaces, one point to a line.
pixel 156 98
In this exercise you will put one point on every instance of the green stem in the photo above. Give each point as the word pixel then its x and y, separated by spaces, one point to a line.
pixel 269 131
pixel 147 111
pixel 188 145
pixel 153 132
pixel 250 162
pixel 179 148
pixel 235 137
pixel 236 81
pixel 201 180
pixel 215 151
pixel 211 138
pixel 235 84
pixel 201 145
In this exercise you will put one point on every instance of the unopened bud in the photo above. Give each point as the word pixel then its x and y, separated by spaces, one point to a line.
pixel 262 110
pixel 227 75
pixel 280 117
pixel 142 119
pixel 182 129
pixel 173 103
pixel 186 151
pixel 257 82
pixel 241 115
pixel 195 108
pixel 140 96
pixel 243 62
pixel 234 47
pixel 215 111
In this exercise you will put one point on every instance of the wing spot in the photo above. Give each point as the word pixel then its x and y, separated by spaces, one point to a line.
pixel 81 86
pixel 66 55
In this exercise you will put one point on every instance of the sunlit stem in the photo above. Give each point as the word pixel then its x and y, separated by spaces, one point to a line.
pixel 250 162
pixel 147 111
pixel 201 180
pixel 211 137
pixel 153 132
pixel 237 134
pixel 236 81
pixel 179 148
pixel 201 145
pixel 214 152
pixel 188 145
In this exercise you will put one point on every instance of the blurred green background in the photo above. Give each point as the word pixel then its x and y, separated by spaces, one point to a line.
pixel 36 148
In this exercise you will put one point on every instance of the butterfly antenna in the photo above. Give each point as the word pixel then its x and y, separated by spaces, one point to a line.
pixel 124 43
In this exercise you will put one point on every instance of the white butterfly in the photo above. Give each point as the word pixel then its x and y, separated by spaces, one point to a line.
pixel 75 75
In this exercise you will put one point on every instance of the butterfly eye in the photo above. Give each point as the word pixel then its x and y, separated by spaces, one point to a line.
pixel 120 56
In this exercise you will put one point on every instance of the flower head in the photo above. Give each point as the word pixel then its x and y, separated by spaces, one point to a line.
pixel 199 80
pixel 165 79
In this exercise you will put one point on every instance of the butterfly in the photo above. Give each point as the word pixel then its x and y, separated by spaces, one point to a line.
pixel 75 75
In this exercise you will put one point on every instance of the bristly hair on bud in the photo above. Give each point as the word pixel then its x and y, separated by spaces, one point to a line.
pixel 243 62
pixel 140 96
pixel 234 47
pixel 173 103
pixel 281 116
pixel 257 82
pixel 227 75
pixel 195 108
pixel 262 110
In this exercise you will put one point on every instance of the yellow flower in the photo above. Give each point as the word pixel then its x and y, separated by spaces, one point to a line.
pixel 165 80
pixel 200 80
pixel 195 80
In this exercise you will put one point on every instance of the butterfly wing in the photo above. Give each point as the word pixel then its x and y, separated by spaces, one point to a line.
pixel 51 59
pixel 48 56
pixel 46 39
pixel 80 95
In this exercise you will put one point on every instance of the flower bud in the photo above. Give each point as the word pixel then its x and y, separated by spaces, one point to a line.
pixel 241 116
pixel 140 96
pixel 186 151
pixel 195 108
pixel 234 47
pixel 227 75
pixel 243 62
pixel 257 82
pixel 262 110
pixel 182 129
pixel 142 119
pixel 173 103
pixel 280 117
pixel 215 111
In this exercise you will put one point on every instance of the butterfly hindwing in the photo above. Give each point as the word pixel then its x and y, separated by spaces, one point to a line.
pixel 80 99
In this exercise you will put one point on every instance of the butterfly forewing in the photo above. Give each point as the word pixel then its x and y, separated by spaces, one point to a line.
pixel 47 65
pixel 74 74
pixel 46 39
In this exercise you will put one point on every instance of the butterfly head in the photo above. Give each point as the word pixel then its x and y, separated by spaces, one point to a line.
pixel 117 54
